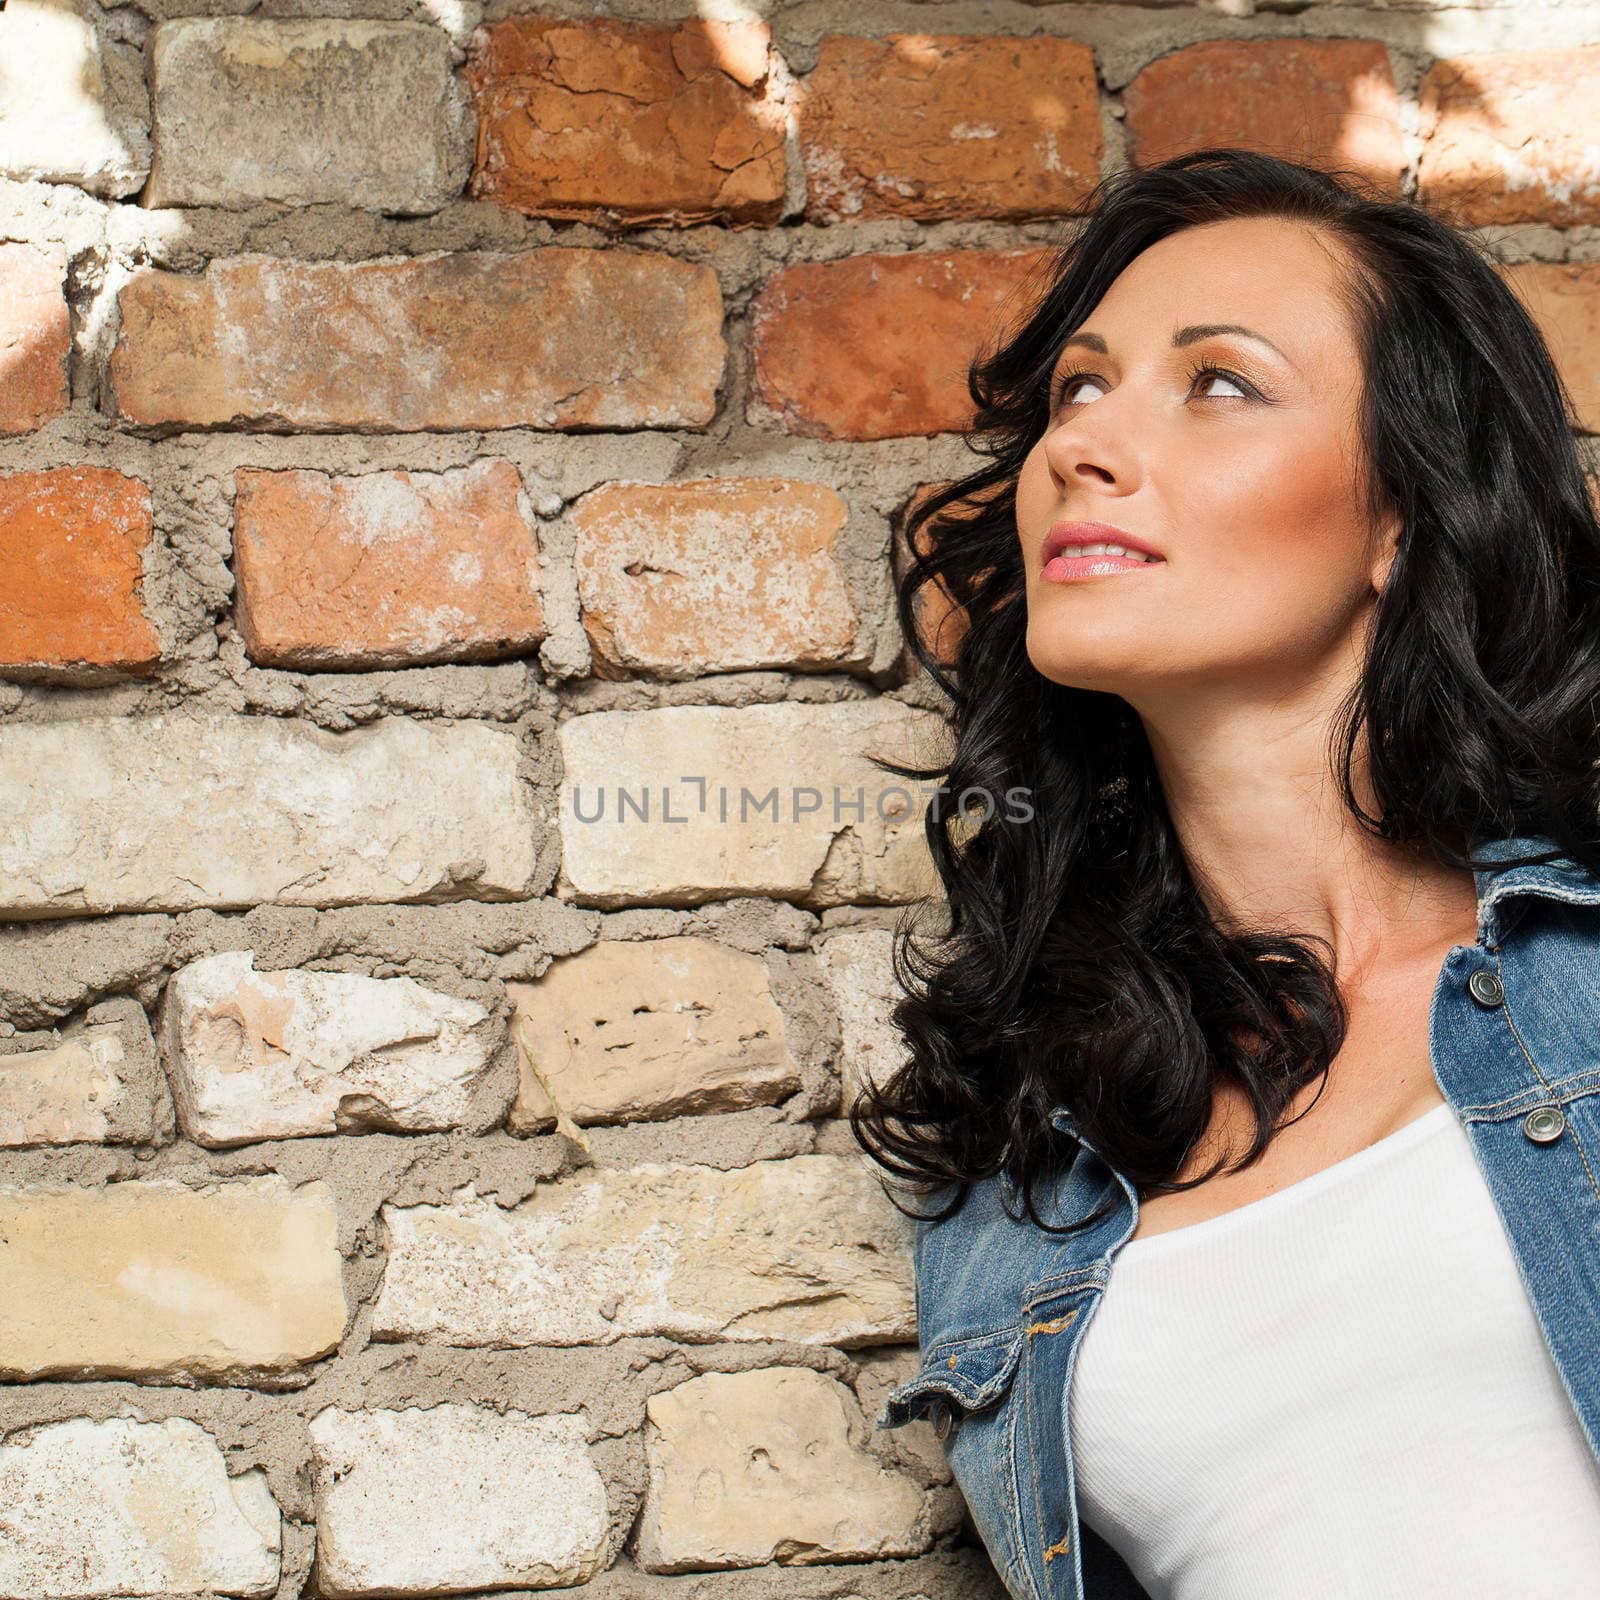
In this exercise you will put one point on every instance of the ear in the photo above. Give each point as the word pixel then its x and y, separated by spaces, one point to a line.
pixel 1387 547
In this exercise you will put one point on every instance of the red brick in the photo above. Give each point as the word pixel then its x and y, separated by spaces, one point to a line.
pixel 934 126
pixel 385 568
pixel 1564 298
pixel 877 346
pixel 35 336
pixel 717 574
pixel 72 544
pixel 1326 102
pixel 611 121
pixel 554 338
pixel 1510 137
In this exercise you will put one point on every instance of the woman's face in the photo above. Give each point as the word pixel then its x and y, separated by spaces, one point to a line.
pixel 1245 481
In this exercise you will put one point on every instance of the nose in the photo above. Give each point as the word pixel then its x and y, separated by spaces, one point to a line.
pixel 1093 446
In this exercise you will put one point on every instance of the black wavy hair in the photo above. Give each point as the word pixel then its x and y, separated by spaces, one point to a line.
pixel 1077 964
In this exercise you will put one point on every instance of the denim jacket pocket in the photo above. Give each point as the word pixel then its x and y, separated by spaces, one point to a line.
pixel 966 1390
pixel 968 1374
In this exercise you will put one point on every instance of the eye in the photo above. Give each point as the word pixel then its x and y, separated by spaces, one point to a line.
pixel 1066 381
pixel 1206 370
pixel 1064 384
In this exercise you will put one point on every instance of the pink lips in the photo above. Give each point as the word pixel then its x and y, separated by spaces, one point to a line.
pixel 1061 565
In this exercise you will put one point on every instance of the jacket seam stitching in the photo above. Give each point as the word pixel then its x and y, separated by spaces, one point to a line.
pixel 1588 1075
pixel 1534 1067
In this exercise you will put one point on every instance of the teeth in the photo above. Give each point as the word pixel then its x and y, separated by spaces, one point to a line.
pixel 1103 550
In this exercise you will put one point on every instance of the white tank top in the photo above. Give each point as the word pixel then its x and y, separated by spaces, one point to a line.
pixel 1338 1389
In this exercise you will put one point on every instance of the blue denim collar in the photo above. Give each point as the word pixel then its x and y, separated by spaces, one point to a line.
pixel 1562 879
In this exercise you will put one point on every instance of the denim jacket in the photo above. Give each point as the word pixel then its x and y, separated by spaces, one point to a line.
pixel 1514 1033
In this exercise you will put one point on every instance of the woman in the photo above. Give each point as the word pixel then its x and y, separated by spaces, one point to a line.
pixel 1257 1073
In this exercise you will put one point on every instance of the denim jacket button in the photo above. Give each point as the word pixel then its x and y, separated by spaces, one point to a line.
pixel 1544 1123
pixel 1485 988
pixel 943 1414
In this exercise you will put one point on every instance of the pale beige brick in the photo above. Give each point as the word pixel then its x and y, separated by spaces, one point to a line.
pixel 99 1510
pixel 156 1280
pixel 858 968
pixel 808 1249
pixel 79 113
pixel 628 1031
pixel 279 1055
pixel 394 810
pixel 451 1498
pixel 96 1081
pixel 764 799
pixel 792 1485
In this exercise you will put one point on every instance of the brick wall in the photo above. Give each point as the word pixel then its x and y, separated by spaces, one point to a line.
pixel 410 1181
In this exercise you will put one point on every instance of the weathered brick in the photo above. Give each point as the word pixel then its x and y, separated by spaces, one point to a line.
pixel 878 346
pixel 94 1081
pixel 628 1031
pixel 608 120
pixel 391 1488
pixel 1328 102
pixel 97 1510
pixel 763 799
pixel 303 110
pixel 155 1280
pixel 550 338
pixel 79 113
pixel 933 126
pixel 717 574
pixel 688 1252
pixel 282 1054
pixel 1563 297
pixel 816 1498
pixel 858 968
pixel 385 569
pixel 1508 137
pixel 72 545
pixel 35 334
pixel 393 810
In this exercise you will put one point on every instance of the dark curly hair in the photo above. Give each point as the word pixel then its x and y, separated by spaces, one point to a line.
pixel 1076 964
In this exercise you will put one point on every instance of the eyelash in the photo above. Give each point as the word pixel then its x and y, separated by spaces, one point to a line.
pixel 1063 384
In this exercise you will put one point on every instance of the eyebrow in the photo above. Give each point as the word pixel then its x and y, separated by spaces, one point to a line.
pixel 1185 336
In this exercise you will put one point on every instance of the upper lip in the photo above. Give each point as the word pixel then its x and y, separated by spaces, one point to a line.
pixel 1067 533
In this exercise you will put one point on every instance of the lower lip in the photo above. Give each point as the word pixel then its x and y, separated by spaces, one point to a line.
pixel 1068 569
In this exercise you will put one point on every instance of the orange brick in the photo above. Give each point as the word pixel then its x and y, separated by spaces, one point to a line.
pixel 553 338
pixel 877 347
pixel 609 121
pixel 72 545
pixel 933 126
pixel 35 336
pixel 385 568
pixel 1564 299
pixel 1510 137
pixel 717 574
pixel 1326 102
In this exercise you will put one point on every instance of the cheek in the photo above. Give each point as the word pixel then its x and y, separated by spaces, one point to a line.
pixel 1036 496
pixel 1284 520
